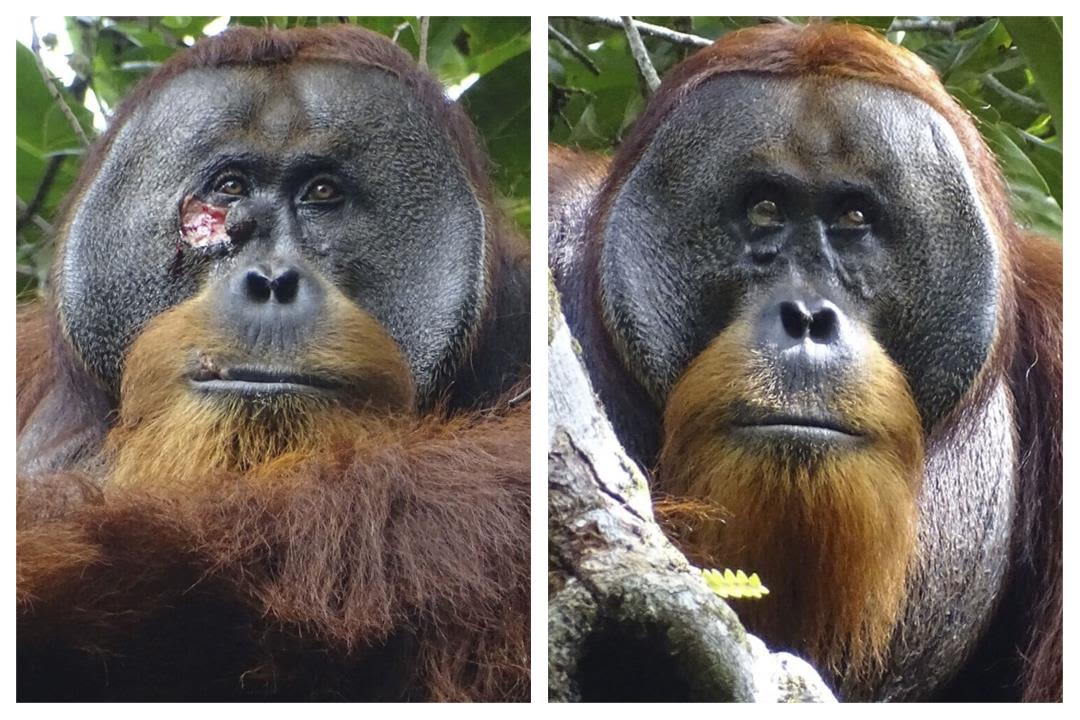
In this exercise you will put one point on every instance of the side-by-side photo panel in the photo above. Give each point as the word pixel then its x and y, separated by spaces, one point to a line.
pixel 805 359
pixel 273 412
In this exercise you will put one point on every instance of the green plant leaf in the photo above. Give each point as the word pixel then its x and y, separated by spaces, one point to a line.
pixel 1039 39
pixel 1045 156
pixel 1032 202
pixel 499 105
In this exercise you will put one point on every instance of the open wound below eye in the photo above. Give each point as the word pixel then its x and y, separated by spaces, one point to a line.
pixel 202 225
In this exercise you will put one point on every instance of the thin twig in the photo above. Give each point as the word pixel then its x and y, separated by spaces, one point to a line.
pixel 776 19
pixel 424 21
pixel 523 395
pixel 35 46
pixel 1022 100
pixel 573 50
pixel 42 224
pixel 641 55
pixel 398 30
pixel 44 185
pixel 948 27
pixel 657 31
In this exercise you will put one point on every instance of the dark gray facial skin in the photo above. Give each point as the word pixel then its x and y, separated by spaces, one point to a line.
pixel 402 236
pixel 682 252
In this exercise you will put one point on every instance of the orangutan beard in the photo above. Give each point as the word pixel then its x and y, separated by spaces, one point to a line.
pixel 171 433
pixel 831 530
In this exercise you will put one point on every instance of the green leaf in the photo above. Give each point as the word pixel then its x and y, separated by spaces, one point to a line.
pixel 42 132
pixel 492 58
pixel 599 107
pixel 39 121
pixel 977 45
pixel 175 23
pixel 978 107
pixel 444 59
pixel 1045 156
pixel 499 105
pixel 585 132
pixel 1032 202
pixel 489 32
pixel 877 22
pixel 1039 39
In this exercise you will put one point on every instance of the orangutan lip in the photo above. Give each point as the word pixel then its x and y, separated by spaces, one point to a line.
pixel 796 424
pixel 261 381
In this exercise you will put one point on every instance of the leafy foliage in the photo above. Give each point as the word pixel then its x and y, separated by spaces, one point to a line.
pixel 485 59
pixel 1006 71
pixel 735 585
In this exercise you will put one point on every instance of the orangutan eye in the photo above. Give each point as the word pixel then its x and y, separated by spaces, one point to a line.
pixel 765 213
pixel 852 219
pixel 232 185
pixel 321 192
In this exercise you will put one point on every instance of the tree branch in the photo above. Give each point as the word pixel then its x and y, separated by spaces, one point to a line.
pixel 398 30
pixel 641 55
pixel 35 46
pixel 1022 100
pixel 644 28
pixel 573 50
pixel 41 223
pixel 30 209
pixel 777 19
pixel 424 24
pixel 949 27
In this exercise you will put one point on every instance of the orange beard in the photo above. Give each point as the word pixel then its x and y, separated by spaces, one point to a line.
pixel 831 531
pixel 171 435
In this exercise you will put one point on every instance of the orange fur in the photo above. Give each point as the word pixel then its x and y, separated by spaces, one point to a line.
pixel 314 568
pixel 169 433
pixel 320 541
pixel 831 533
pixel 34 338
